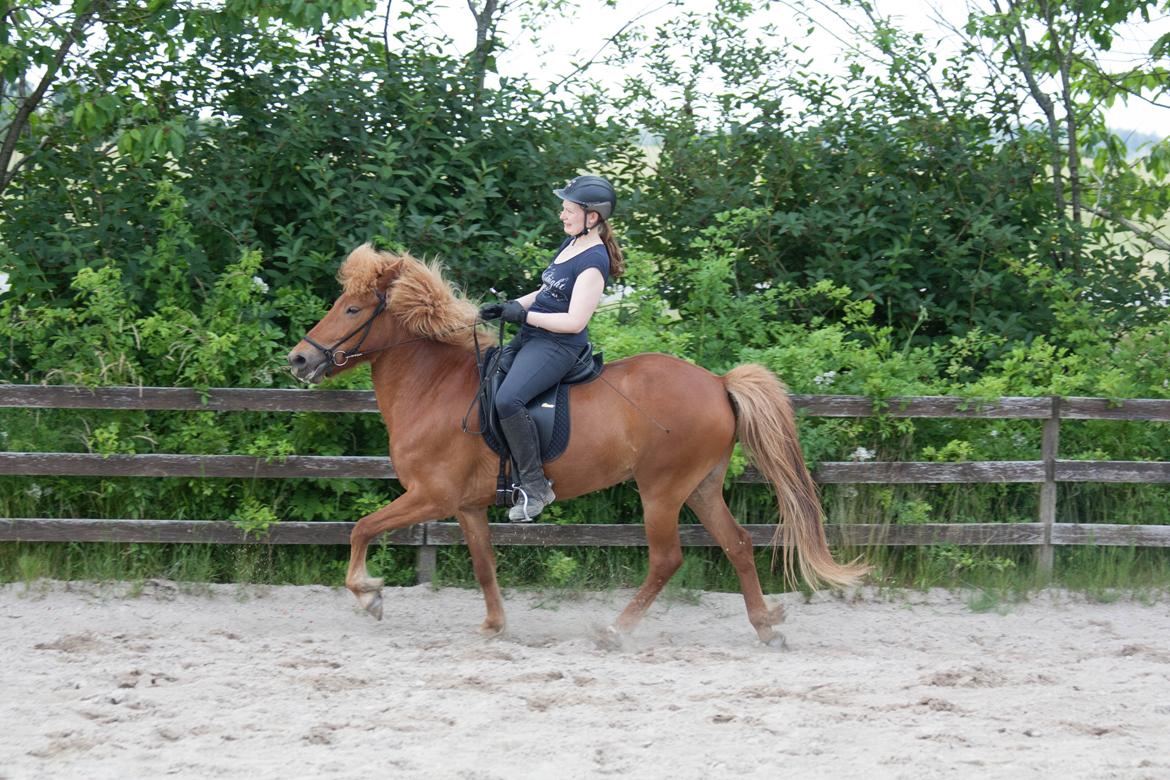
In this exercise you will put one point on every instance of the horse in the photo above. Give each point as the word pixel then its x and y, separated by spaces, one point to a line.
pixel 665 423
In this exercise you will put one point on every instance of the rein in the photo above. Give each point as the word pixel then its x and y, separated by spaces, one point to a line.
pixel 481 393
pixel 340 357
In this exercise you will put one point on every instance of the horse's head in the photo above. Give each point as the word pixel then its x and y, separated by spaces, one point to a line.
pixel 386 299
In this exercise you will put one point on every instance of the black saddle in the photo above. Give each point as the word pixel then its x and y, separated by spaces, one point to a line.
pixel 549 410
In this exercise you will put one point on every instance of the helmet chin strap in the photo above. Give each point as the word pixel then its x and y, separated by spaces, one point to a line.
pixel 585 227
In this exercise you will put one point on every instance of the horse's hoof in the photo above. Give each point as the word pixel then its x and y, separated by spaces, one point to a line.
pixel 375 606
pixel 609 638
pixel 778 642
pixel 372 604
pixel 490 629
pixel 369 596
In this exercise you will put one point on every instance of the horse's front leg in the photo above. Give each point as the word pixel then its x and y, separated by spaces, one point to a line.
pixel 406 510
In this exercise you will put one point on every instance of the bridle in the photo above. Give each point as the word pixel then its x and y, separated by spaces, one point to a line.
pixel 340 357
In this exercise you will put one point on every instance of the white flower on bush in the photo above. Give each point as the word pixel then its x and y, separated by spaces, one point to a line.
pixel 862 454
pixel 260 283
pixel 826 379
pixel 4 285
pixel 620 292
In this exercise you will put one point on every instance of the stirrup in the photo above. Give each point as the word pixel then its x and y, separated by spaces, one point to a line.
pixel 521 501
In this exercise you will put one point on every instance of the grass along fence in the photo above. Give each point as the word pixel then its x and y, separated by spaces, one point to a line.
pixel 1044 534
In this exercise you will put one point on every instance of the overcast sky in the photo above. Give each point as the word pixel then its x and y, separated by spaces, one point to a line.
pixel 579 33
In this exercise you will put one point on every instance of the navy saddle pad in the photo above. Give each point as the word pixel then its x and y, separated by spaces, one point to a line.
pixel 549 410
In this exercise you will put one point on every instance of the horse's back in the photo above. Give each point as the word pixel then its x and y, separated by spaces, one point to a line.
pixel 646 410
pixel 665 380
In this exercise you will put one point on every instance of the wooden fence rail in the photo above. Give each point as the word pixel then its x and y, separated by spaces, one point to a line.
pixel 1047 472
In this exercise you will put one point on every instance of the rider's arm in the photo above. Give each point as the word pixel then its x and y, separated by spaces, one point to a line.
pixel 586 295
pixel 527 300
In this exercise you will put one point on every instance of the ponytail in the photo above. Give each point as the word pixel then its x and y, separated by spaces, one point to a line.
pixel 617 261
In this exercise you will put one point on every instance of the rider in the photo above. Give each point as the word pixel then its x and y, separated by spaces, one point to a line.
pixel 554 330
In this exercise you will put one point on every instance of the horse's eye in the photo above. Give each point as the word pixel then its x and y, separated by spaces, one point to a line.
pixel 353 310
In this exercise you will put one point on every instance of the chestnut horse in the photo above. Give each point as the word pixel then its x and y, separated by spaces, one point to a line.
pixel 667 424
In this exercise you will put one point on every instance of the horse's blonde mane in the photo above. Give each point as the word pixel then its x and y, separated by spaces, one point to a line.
pixel 418 295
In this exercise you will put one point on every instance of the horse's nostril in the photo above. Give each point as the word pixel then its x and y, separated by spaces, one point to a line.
pixel 296 360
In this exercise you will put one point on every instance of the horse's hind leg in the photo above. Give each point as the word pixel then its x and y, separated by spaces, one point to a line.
pixel 661 517
pixel 474 524
pixel 708 504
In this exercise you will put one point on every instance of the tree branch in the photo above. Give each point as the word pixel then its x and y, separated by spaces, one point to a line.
pixel 1112 80
pixel 1063 57
pixel 386 34
pixel 20 120
pixel 1153 238
pixel 23 160
pixel 608 41
pixel 485 28
pixel 1018 47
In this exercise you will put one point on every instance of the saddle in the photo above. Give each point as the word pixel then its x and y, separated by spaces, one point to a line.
pixel 549 410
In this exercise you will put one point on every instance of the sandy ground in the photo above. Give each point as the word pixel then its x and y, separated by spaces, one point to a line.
pixel 113 681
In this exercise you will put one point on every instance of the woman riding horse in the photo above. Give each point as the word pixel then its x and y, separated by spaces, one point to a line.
pixel 555 328
pixel 668 425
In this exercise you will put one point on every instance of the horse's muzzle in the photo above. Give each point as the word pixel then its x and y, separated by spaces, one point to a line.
pixel 308 364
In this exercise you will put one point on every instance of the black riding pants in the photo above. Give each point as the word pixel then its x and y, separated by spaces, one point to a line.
pixel 539 364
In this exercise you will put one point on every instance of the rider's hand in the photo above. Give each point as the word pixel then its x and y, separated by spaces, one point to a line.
pixel 513 312
pixel 491 311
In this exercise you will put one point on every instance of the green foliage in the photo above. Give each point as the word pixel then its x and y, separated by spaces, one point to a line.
pixel 930 196
pixel 561 568
pixel 301 153
pixel 637 319
pixel 254 517
pixel 883 236
pixel 185 563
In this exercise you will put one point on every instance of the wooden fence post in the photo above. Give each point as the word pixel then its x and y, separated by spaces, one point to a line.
pixel 1049 449
pixel 426 558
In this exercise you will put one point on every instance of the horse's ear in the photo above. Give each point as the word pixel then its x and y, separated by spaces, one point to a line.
pixel 389 271
pixel 368 270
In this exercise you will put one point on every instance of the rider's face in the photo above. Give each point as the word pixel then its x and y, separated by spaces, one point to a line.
pixel 572 217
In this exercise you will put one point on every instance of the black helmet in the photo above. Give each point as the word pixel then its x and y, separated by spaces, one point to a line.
pixel 592 193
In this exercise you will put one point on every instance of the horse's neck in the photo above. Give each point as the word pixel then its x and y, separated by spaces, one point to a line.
pixel 413 383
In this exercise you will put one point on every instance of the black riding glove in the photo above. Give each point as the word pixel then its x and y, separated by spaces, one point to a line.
pixel 491 311
pixel 512 311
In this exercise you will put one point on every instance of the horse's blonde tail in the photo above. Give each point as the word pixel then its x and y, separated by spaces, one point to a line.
pixel 766 426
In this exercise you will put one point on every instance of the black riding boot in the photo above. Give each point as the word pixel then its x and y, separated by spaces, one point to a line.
pixel 534 492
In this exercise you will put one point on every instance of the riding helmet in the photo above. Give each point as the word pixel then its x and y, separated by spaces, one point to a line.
pixel 592 193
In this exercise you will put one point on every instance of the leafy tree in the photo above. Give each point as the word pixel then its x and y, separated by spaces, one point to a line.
pixel 122 69
pixel 299 151
pixel 1054 46
pixel 912 182
pixel 910 198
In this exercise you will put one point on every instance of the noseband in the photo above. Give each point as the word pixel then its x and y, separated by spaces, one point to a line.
pixel 339 357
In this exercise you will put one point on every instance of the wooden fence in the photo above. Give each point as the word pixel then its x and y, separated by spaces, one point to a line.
pixel 1044 534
